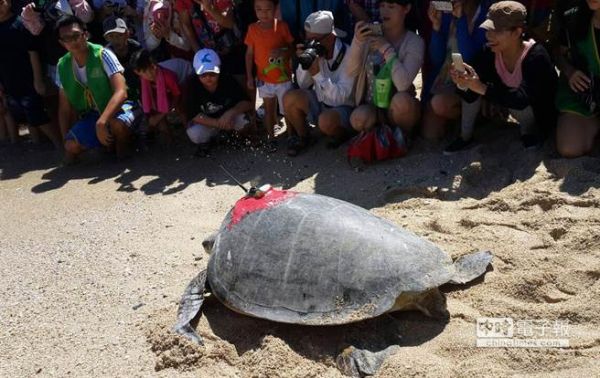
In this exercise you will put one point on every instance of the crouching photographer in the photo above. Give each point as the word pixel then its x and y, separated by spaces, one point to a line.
pixel 325 97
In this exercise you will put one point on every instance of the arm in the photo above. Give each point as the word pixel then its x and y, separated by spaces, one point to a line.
pixel 223 18
pixel 64 113
pixel 469 44
pixel 117 82
pixel 38 75
pixel 178 41
pixel 188 30
pixel 249 67
pixel 407 66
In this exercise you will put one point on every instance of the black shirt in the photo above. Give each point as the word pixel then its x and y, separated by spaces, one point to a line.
pixel 16 73
pixel 199 101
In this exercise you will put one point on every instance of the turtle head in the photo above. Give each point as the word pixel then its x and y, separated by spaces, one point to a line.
pixel 209 242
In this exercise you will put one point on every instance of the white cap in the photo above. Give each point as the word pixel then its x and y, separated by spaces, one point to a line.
pixel 321 22
pixel 206 60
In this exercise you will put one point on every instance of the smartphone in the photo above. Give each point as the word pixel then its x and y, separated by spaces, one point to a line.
pixel 376 29
pixel 442 6
pixel 459 64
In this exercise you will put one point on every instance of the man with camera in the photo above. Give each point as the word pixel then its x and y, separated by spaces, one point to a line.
pixel 325 97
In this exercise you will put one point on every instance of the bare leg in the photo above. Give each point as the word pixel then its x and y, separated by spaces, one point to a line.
pixel 72 150
pixel 330 124
pixel 363 118
pixel 270 115
pixel 122 138
pixel 53 134
pixel 441 108
pixel 404 111
pixel 296 106
pixel 11 127
pixel 575 135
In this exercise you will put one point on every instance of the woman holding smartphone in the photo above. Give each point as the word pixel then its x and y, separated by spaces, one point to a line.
pixel 455 29
pixel 514 73
pixel 398 52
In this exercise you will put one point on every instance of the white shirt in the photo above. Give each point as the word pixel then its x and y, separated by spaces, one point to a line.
pixel 181 67
pixel 333 88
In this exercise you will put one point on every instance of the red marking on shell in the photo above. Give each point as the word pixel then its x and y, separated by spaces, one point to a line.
pixel 248 205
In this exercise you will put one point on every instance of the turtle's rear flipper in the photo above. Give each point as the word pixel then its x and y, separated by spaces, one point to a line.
pixel 189 307
pixel 355 362
pixel 471 266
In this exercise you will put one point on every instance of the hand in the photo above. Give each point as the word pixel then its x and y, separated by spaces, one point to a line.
pixel 379 44
pixel 28 10
pixel 362 31
pixel 160 30
pixel 225 122
pixel 103 133
pixel 314 67
pixel 457 8
pixel 250 83
pixel 435 16
pixel 40 87
pixel 299 49
pixel 579 82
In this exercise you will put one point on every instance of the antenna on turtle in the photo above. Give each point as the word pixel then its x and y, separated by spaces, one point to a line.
pixel 234 179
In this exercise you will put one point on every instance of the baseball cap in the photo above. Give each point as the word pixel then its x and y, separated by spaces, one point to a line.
pixel 505 15
pixel 206 60
pixel 114 25
pixel 321 22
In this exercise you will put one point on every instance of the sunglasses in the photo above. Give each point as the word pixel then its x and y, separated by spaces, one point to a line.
pixel 71 37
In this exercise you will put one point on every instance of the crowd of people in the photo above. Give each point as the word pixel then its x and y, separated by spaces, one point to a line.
pixel 112 74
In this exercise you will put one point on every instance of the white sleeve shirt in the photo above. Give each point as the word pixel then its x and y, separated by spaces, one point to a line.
pixel 333 88
pixel 110 63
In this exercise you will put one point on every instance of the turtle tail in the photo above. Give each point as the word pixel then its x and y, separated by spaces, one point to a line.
pixel 471 266
pixel 189 307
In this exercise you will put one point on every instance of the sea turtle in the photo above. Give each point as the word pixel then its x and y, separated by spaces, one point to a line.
pixel 314 260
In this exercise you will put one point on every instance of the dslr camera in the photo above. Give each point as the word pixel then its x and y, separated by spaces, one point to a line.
pixel 312 50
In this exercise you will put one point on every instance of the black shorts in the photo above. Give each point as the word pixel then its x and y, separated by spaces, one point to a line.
pixel 29 108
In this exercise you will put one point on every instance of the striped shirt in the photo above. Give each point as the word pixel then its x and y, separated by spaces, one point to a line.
pixel 110 63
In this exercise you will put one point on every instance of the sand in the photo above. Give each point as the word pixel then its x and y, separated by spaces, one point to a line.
pixel 95 258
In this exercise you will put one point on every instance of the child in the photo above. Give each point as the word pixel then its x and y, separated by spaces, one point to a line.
pixel 160 89
pixel 269 41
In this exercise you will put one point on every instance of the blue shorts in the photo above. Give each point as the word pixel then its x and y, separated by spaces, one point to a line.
pixel 316 108
pixel 29 108
pixel 84 130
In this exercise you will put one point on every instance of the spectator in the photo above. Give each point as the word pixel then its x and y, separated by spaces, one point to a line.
pixel 8 127
pixel 161 23
pixel 399 50
pixel 325 97
pixel 514 73
pixel 295 12
pixel 21 76
pixel 269 43
pixel 211 24
pixel 456 32
pixel 215 102
pixel 118 36
pixel 161 89
pixel 93 87
pixel 579 89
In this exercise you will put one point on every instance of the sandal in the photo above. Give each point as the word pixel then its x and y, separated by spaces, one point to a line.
pixel 296 144
pixel 271 146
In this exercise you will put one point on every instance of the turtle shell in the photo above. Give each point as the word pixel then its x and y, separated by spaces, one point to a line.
pixel 311 259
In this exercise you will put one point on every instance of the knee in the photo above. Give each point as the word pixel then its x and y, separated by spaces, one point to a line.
pixel 119 129
pixel 569 150
pixel 198 134
pixel 440 106
pixel 72 147
pixel 329 123
pixel 402 103
pixel 293 99
pixel 362 119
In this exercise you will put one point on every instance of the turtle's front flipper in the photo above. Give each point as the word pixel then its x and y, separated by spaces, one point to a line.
pixel 355 362
pixel 189 307
pixel 471 266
